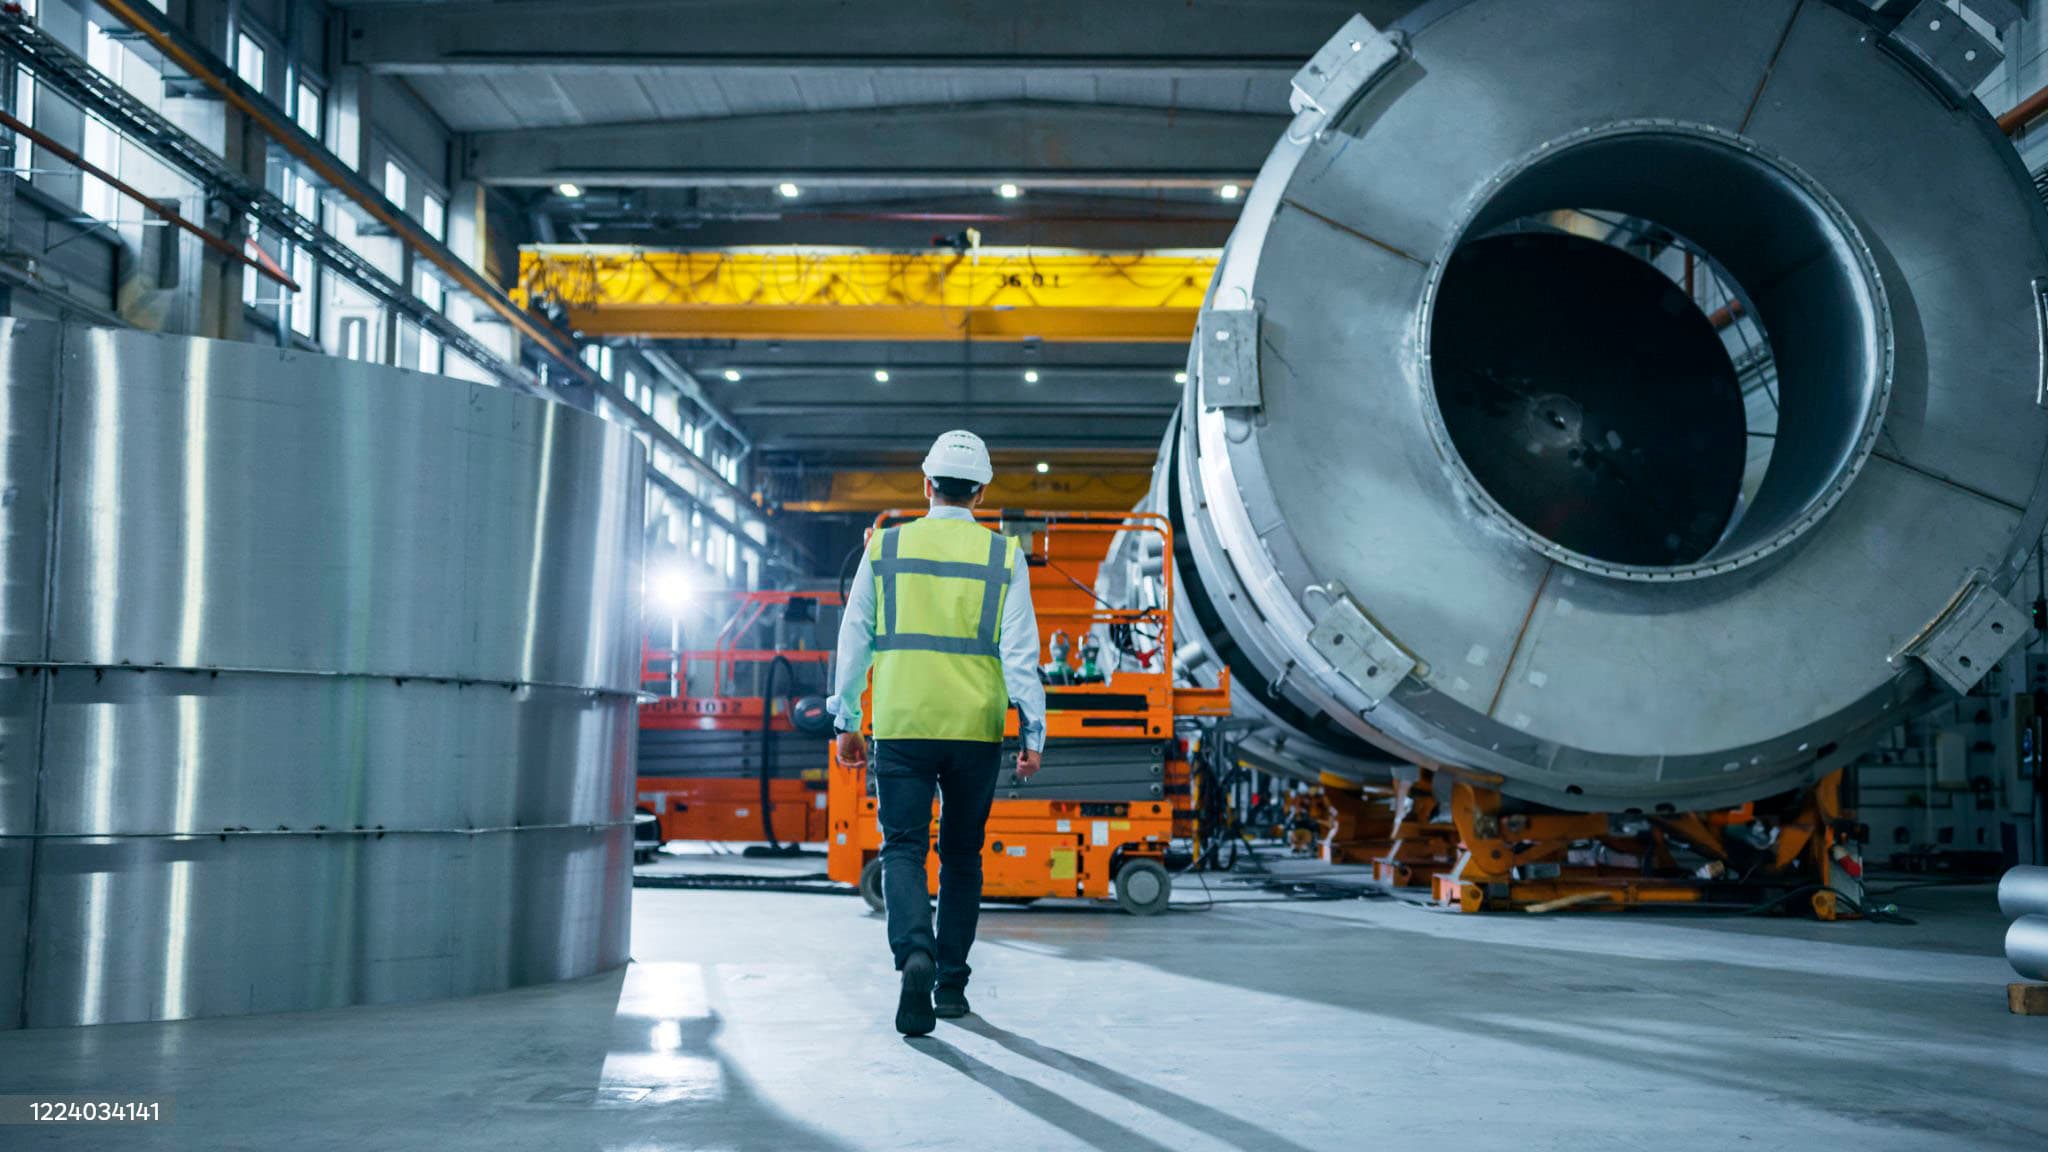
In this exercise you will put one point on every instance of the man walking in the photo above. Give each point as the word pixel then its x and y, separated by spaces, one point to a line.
pixel 941 606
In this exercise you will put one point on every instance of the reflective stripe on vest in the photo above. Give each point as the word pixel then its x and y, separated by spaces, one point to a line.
pixel 995 578
pixel 938 661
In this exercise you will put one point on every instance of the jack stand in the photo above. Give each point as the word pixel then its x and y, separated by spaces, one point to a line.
pixel 1544 861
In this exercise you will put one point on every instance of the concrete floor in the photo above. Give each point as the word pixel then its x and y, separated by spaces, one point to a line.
pixel 762 1021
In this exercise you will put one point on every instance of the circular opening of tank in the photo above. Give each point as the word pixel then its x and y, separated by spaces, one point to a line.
pixel 1657 353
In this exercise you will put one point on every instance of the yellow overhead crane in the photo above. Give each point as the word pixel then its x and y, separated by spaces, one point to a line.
pixel 1074 488
pixel 992 294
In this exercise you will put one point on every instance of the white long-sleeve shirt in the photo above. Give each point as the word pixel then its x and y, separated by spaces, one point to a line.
pixel 1017 641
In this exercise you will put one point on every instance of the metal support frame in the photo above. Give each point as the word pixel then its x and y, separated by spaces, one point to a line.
pixel 1478 852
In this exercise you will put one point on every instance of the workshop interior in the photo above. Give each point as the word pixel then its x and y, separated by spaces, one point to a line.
pixel 1534 512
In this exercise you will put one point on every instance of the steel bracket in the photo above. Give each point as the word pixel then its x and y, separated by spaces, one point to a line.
pixel 1970 635
pixel 1352 61
pixel 1228 365
pixel 1937 40
pixel 1354 645
pixel 2040 287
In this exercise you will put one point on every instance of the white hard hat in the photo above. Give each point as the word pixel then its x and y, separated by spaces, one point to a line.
pixel 960 455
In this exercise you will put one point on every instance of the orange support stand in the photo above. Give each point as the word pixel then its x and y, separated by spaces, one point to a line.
pixel 1517 858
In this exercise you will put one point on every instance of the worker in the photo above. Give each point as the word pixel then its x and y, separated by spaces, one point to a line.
pixel 942 607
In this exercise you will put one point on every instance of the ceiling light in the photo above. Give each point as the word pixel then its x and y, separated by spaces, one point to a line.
pixel 1031 376
pixel 1229 191
pixel 1009 191
pixel 789 191
pixel 881 375
pixel 568 191
pixel 732 374
pixel 1043 467
pixel 1180 377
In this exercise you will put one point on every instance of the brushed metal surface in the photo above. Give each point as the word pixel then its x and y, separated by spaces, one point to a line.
pixel 334 703
pixel 2026 946
pixel 128 753
pixel 26 421
pixel 1580 687
pixel 157 929
pixel 2023 891
pixel 416 526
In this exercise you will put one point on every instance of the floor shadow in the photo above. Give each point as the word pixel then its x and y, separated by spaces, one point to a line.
pixel 1847 1063
pixel 1216 1122
pixel 1091 1128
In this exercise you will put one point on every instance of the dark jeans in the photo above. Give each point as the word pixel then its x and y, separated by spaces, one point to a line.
pixel 905 772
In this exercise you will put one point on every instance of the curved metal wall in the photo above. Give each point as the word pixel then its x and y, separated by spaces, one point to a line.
pixel 319 681
pixel 1323 501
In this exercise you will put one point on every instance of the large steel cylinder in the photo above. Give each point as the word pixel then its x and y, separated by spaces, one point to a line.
pixel 316 681
pixel 1456 480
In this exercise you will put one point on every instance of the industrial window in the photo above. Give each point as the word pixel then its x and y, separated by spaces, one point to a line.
pixel 394 184
pixel 355 337
pixel 348 134
pixel 97 198
pixel 434 295
pixel 24 111
pixel 434 216
pixel 307 110
pixel 251 61
pixel 598 358
pixel 24 106
pixel 305 305
pixel 430 352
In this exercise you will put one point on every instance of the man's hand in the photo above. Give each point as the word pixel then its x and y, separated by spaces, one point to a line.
pixel 1027 764
pixel 853 751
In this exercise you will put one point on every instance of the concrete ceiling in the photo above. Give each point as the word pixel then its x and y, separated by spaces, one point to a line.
pixel 677 119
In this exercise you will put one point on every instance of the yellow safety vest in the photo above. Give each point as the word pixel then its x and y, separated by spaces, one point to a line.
pixel 939 589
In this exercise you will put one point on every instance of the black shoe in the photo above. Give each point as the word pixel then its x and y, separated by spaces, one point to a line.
pixel 914 1004
pixel 950 1003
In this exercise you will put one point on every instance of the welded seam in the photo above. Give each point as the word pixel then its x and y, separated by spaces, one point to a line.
pixel 55 430
pixel 1946 481
pixel 1757 98
pixel 1348 230
pixel 372 832
pixel 1521 634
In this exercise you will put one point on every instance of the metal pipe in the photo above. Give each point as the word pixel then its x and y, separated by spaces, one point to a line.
pixel 2023 114
pixel 155 27
pixel 149 203
pixel 2023 891
pixel 2026 947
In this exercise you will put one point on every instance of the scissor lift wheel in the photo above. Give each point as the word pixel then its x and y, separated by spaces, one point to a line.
pixel 1143 887
pixel 871 883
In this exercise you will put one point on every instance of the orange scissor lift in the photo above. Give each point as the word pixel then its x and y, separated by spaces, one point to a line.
pixel 701 753
pixel 1114 792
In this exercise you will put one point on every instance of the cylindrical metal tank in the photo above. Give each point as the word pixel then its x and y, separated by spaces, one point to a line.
pixel 1459 480
pixel 316 681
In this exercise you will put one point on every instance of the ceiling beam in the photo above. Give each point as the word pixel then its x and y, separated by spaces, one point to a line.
pixel 1030 144
pixel 478 35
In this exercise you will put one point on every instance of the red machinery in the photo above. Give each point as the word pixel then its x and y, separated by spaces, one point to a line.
pixel 713 759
